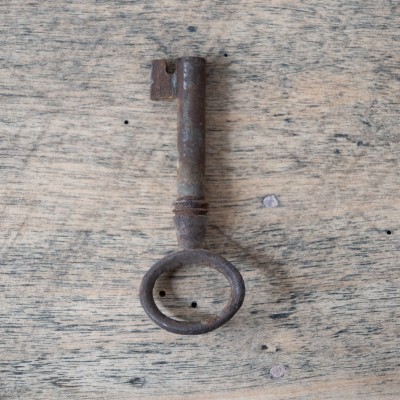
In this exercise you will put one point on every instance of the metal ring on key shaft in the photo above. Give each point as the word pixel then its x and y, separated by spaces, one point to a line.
pixel 188 84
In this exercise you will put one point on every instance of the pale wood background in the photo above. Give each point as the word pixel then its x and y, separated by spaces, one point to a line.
pixel 303 103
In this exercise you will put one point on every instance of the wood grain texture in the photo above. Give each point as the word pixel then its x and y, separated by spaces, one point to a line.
pixel 303 104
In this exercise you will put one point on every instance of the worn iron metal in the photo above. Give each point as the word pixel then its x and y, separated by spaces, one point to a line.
pixel 186 81
pixel 191 257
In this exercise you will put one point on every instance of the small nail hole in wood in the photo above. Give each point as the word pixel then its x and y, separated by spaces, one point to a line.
pixel 170 67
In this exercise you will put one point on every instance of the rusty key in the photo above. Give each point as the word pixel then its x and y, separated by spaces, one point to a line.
pixel 187 83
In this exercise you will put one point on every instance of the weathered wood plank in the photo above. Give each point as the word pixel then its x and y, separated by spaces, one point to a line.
pixel 303 104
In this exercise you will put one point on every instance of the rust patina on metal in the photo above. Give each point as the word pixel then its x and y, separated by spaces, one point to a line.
pixel 187 82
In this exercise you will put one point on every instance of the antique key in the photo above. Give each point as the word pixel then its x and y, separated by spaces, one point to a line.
pixel 187 83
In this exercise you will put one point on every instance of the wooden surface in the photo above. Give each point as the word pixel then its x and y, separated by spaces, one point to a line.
pixel 303 105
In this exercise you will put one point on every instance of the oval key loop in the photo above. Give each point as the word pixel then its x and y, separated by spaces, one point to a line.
pixel 191 257
pixel 187 83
